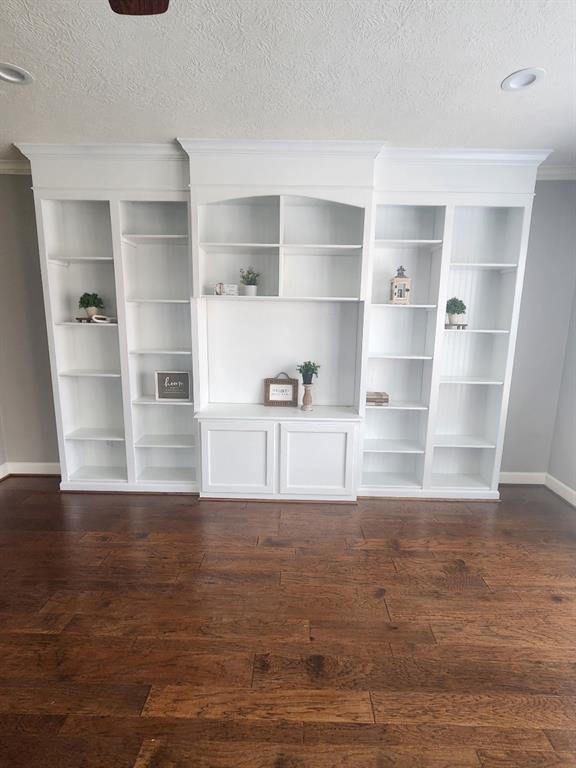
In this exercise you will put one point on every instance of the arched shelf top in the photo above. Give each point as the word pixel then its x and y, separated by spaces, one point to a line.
pixel 281 220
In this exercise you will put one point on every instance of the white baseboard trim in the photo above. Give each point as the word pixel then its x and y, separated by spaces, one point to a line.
pixel 28 468
pixel 561 489
pixel 523 478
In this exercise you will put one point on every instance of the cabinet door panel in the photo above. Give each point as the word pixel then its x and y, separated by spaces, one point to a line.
pixel 237 457
pixel 317 459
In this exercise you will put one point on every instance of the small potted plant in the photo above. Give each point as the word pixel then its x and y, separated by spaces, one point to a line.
pixel 249 279
pixel 308 371
pixel 92 303
pixel 456 311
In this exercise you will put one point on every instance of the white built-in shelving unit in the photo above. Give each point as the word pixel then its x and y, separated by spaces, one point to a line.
pixel 153 229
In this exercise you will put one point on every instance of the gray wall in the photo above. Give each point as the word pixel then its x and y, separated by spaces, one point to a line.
pixel 27 413
pixel 542 333
pixel 563 454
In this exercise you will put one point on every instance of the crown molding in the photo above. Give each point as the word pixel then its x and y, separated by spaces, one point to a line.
pixel 530 157
pixel 104 151
pixel 556 173
pixel 15 167
pixel 251 147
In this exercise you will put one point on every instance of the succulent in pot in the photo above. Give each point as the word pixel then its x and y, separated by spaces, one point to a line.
pixel 91 303
pixel 456 311
pixel 249 279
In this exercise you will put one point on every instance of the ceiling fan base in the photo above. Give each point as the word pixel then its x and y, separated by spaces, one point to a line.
pixel 139 7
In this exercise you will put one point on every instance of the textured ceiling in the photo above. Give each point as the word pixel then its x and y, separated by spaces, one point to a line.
pixel 414 73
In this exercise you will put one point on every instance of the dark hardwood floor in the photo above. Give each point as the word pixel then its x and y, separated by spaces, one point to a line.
pixel 160 632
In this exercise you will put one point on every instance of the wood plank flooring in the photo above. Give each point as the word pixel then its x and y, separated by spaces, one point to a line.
pixel 162 632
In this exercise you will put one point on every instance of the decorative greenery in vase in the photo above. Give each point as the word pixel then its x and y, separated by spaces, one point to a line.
pixel 249 279
pixel 308 370
pixel 91 302
pixel 455 309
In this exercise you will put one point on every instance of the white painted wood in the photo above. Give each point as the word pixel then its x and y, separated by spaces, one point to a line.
pixel 327 224
pixel 317 458
pixel 238 456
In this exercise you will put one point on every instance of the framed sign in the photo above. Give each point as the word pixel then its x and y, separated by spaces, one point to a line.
pixel 172 385
pixel 281 391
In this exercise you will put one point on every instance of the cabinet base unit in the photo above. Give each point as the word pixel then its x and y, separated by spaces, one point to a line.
pixel 219 264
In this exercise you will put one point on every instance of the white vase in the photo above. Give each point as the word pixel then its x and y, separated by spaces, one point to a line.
pixel 250 290
pixel 457 319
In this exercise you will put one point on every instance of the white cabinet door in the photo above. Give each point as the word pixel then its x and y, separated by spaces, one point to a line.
pixel 317 458
pixel 237 457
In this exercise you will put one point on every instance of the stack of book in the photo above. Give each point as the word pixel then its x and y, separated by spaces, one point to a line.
pixel 377 398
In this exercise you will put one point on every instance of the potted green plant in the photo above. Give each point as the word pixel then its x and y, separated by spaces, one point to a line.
pixel 308 371
pixel 456 311
pixel 249 279
pixel 92 303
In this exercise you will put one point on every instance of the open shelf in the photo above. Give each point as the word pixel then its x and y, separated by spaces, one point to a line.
pixel 459 481
pixel 133 239
pixel 392 470
pixel 392 446
pixel 474 356
pixel 402 335
pixel 391 480
pixel 487 237
pixel 462 467
pixel 75 372
pixel 81 276
pixel 159 328
pixel 151 400
pixel 405 380
pixel 399 405
pixel 388 305
pixel 421 265
pixel 413 224
pixel 165 441
pixel 167 475
pixel 96 433
pixel 400 357
pixel 104 474
pixel 154 220
pixel 498 266
pixel 153 351
pixel 278 413
pixel 471 380
pixel 77 230
pixel 381 243
pixel 308 221
pixel 462 441
pixel 165 464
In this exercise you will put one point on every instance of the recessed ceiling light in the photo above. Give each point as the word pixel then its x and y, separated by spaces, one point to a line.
pixel 524 78
pixel 10 73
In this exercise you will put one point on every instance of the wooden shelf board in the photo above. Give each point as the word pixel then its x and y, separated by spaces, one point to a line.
pixel 76 372
pixel 470 380
pixel 481 265
pixel 96 433
pixel 406 243
pixel 211 297
pixel 165 441
pixel 167 475
pixel 459 481
pixel 405 306
pixel 151 400
pixel 406 405
pixel 135 239
pixel 158 301
pixel 78 259
pixel 74 324
pixel 462 441
pixel 389 480
pixel 100 474
pixel 392 446
pixel 400 357
pixel 474 330
pixel 160 352
pixel 277 413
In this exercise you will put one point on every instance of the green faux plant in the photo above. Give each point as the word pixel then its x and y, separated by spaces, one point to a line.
pixel 249 276
pixel 90 300
pixel 308 370
pixel 455 306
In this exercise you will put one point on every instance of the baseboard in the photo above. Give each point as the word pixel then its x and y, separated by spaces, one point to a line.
pixel 28 468
pixel 523 478
pixel 561 489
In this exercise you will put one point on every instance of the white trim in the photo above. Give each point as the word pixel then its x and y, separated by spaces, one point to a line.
pixel 556 173
pixel 103 151
pixel 531 157
pixel 29 468
pixel 15 168
pixel 561 489
pixel 523 478
pixel 280 147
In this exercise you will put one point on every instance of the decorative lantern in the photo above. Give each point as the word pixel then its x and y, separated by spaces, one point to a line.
pixel 400 287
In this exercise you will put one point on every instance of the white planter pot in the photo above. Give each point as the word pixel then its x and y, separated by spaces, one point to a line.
pixel 91 311
pixel 250 290
pixel 456 319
